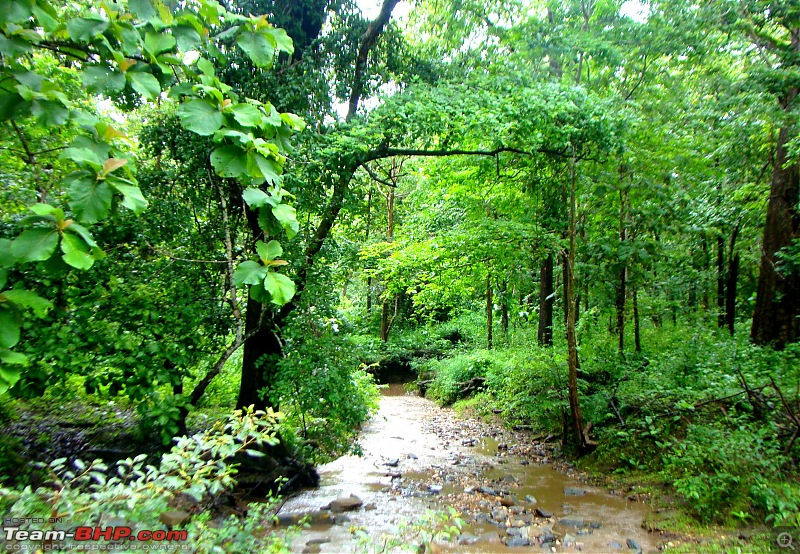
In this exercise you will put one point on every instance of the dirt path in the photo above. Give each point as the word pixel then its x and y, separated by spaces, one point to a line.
pixel 418 457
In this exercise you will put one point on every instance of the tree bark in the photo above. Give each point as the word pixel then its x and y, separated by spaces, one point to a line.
pixel 546 301
pixel 489 310
pixel 775 319
pixel 720 281
pixel 576 416
pixel 504 306
pixel 637 341
pixel 623 273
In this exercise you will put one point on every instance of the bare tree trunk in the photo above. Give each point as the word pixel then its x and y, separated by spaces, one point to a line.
pixel 366 239
pixel 637 341
pixel 576 416
pixel 489 308
pixel 546 301
pixel 720 281
pixel 706 262
pixel 732 276
pixel 623 273
pixel 778 297
pixel 504 306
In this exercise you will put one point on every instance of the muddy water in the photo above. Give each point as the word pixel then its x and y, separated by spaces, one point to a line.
pixel 417 456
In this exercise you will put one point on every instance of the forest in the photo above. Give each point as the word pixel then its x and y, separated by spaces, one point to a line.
pixel 225 225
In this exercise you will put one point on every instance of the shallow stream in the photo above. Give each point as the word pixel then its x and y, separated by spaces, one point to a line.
pixel 417 456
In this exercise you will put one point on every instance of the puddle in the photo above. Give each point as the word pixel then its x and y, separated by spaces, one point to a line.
pixel 419 457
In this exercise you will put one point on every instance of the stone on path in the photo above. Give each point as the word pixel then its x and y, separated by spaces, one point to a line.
pixel 174 517
pixel 543 513
pixel 345 504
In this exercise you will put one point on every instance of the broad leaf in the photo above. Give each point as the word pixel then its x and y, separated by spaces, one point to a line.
pixel 282 40
pixel 257 47
pixel 84 29
pixel 249 273
pixel 229 161
pixel 9 329
pixel 132 195
pixel 145 84
pixel 7 258
pixel 287 216
pixel 76 252
pixel 103 79
pixel 29 299
pixel 257 198
pixel 247 115
pixel 8 376
pixel 200 116
pixel 268 251
pixel 294 121
pixel 91 199
pixel 269 168
pixel 35 245
pixel 280 287
pixel 158 43
pixel 49 113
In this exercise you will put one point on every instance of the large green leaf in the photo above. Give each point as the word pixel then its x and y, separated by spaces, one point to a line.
pixel 158 43
pixel 85 29
pixel 133 199
pixel 91 199
pixel 282 40
pixel 9 329
pixel 9 376
pixel 287 216
pixel 103 79
pixel 145 84
pixel 280 287
pixel 142 9
pixel 76 252
pixel 200 116
pixel 247 115
pixel 269 168
pixel 7 258
pixel 10 105
pixel 257 47
pixel 85 150
pixel 29 299
pixel 268 251
pixel 49 112
pixel 35 245
pixel 257 198
pixel 249 273
pixel 229 161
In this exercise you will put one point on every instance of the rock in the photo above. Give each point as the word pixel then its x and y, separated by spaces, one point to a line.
pixel 543 513
pixel 547 538
pixel 487 490
pixel 515 509
pixel 469 490
pixel 502 446
pixel 435 489
pixel 393 474
pixel 311 549
pixel 569 541
pixel 577 523
pixel 341 519
pixel 467 539
pixel 392 463
pixel 530 499
pixel 569 491
pixel 633 545
pixel 507 501
pixel 321 540
pixel 411 456
pixel 514 531
pixel 509 479
pixel 370 506
pixel 174 518
pixel 498 515
pixel 517 523
pixel 615 545
pixel 518 541
pixel 345 504
pixel 490 537
pixel 314 516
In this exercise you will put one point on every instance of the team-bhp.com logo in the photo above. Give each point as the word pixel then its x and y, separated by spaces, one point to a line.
pixel 94 534
pixel 16 538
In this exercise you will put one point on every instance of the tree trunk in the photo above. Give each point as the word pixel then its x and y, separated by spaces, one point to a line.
pixel 730 309
pixel 775 319
pixel 720 281
pixel 637 341
pixel 366 239
pixel 261 353
pixel 504 307
pixel 623 273
pixel 546 300
pixel 489 306
pixel 576 416
pixel 703 280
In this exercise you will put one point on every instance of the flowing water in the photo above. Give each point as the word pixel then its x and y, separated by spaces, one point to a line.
pixel 417 456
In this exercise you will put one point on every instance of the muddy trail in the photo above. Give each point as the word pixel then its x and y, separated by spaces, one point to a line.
pixel 418 457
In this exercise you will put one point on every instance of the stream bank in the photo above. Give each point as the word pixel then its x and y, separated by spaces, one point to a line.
pixel 419 457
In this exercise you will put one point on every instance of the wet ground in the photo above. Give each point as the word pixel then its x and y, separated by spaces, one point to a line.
pixel 418 456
